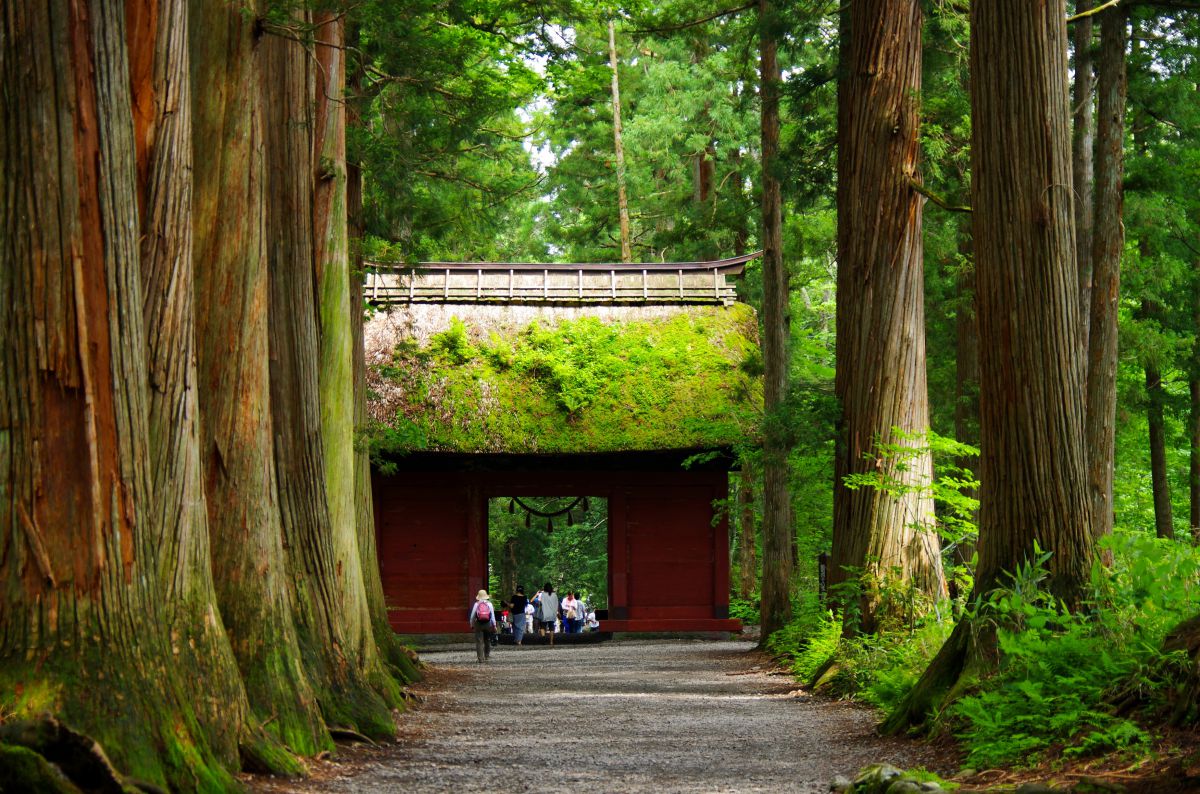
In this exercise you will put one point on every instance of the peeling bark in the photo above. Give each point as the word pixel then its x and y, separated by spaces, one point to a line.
pixel 881 378
pixel 324 608
pixel 1032 462
pixel 82 630
pixel 248 559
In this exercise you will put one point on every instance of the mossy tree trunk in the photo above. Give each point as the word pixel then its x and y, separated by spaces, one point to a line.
pixel 1032 462
pixel 338 349
pixel 777 562
pixel 325 611
pixel 249 567
pixel 881 534
pixel 83 634
pixel 161 98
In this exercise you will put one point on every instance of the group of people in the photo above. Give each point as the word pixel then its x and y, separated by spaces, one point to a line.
pixel 545 613
pixel 548 614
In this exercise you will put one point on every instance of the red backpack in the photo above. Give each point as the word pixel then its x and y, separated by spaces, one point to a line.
pixel 483 613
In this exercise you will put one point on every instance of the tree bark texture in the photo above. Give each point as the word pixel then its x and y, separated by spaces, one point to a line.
pixel 1031 373
pixel 324 609
pixel 231 287
pixel 1083 139
pixel 881 379
pixel 1108 244
pixel 331 246
pixel 777 528
pixel 82 629
pixel 747 535
pixel 1032 466
pixel 618 145
pixel 161 100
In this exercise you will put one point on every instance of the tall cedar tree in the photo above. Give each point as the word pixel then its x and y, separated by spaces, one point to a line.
pixel 1108 242
pixel 161 95
pixel 83 632
pixel 229 223
pixel 887 533
pixel 777 514
pixel 1033 491
pixel 340 349
pixel 328 614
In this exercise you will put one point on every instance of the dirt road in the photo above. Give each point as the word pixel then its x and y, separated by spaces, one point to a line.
pixel 625 716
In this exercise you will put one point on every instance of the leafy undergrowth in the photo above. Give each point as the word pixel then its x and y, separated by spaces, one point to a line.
pixel 1049 699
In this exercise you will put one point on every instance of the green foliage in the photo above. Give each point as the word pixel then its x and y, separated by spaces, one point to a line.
pixel 1059 671
pixel 579 386
pixel 574 556
pixel 744 609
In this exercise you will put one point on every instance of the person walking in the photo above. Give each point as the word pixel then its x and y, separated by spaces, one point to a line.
pixel 548 611
pixel 516 608
pixel 482 619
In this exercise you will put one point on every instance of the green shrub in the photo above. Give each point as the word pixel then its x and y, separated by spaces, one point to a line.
pixel 1057 671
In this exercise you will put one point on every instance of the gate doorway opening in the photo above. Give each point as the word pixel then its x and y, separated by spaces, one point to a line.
pixel 666 540
pixel 537 540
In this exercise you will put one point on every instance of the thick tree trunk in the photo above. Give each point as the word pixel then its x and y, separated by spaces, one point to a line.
pixel 1108 243
pixel 747 535
pixel 777 528
pixel 1033 472
pixel 325 613
pixel 248 560
pixel 881 382
pixel 1082 159
pixel 618 145
pixel 83 634
pixel 331 246
pixel 161 95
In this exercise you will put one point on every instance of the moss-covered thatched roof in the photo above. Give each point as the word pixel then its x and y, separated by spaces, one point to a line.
pixel 687 380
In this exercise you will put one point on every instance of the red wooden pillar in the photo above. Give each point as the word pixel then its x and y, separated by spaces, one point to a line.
pixel 477 542
pixel 720 536
pixel 618 557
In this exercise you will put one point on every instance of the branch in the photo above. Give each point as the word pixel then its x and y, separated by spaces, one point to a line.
pixel 936 199
pixel 1093 11
pixel 728 12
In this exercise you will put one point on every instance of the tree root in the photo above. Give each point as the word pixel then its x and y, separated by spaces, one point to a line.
pixel 79 761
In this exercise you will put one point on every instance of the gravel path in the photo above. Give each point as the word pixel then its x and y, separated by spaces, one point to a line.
pixel 627 716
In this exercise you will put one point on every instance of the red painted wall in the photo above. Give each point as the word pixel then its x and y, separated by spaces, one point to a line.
pixel 668 562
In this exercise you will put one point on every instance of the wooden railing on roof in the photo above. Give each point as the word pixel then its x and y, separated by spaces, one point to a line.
pixel 578 283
